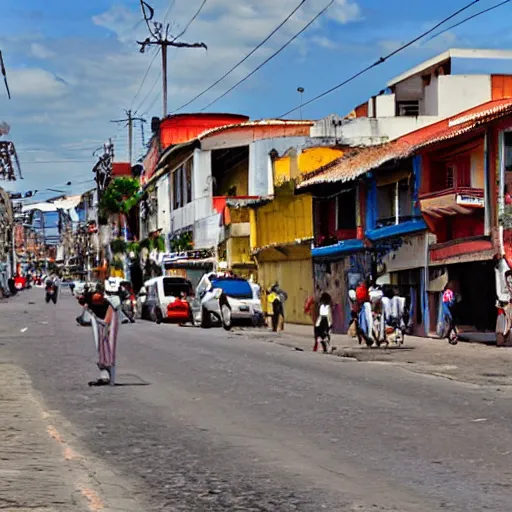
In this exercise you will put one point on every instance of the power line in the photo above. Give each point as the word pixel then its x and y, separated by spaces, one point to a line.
pixel 191 21
pixel 382 59
pixel 160 37
pixel 149 93
pixel 171 5
pixel 144 78
pixel 275 54
pixel 479 13
pixel 244 59
pixel 54 161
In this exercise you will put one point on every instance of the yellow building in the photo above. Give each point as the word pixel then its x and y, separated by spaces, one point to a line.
pixel 282 230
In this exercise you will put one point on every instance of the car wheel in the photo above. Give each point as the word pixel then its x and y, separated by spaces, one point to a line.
pixel 226 317
pixel 205 319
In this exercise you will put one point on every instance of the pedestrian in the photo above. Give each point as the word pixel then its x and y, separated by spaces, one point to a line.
pixel 105 327
pixel 51 291
pixel 323 323
pixel 448 313
pixel 276 308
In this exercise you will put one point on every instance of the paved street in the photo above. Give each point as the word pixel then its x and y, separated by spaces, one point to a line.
pixel 206 420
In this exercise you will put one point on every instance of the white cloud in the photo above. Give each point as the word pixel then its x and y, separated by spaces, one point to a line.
pixel 41 52
pixel 35 83
pixel 70 116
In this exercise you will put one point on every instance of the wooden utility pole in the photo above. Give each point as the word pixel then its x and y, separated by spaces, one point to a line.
pixel 129 122
pixel 160 37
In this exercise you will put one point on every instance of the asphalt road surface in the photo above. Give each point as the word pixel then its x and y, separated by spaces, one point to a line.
pixel 205 420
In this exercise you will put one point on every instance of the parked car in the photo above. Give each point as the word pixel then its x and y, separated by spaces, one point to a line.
pixel 225 300
pixel 166 299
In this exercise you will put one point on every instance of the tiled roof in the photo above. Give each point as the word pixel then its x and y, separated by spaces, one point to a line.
pixel 361 160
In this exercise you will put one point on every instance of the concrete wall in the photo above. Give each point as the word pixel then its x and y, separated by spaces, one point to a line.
pixel 202 174
pixel 430 104
pixel 207 231
pixel 164 205
pixel 260 165
pixel 462 92
pixel 367 131
pixel 385 105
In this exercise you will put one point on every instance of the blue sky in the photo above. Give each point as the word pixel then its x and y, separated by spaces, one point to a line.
pixel 74 66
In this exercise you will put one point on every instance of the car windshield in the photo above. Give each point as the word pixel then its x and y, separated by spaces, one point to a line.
pixel 174 288
pixel 236 288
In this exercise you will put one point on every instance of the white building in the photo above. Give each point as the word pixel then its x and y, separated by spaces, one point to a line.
pixel 202 187
pixel 421 96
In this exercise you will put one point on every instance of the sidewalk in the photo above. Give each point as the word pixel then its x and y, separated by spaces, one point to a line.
pixel 468 362
pixel 32 476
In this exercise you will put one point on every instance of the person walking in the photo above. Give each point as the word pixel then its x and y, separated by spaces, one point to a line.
pixel 51 291
pixel 323 323
pixel 275 300
pixel 105 322
pixel 448 313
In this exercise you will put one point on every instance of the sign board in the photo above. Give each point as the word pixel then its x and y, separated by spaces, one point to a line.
pixel 467 200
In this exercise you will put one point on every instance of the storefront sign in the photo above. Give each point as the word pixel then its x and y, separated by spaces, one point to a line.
pixel 467 200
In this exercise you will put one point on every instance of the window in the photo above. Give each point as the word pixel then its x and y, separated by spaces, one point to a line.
pixel 236 288
pixel 188 181
pixel 182 185
pixel 177 188
pixel 508 151
pixel 449 175
pixel 408 108
pixel 393 196
pixel 346 210
pixel 175 287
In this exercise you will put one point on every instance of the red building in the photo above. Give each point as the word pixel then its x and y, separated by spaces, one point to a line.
pixel 181 128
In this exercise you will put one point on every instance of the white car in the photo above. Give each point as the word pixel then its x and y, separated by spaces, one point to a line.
pixel 225 300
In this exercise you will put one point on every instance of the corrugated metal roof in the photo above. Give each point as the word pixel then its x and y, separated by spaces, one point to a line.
pixel 361 160
pixel 254 124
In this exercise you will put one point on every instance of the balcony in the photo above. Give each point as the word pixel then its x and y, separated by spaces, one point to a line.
pixel 452 201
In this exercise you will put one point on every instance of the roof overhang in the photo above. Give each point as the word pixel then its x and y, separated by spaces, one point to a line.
pixel 453 53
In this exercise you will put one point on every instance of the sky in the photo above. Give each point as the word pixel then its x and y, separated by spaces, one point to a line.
pixel 73 67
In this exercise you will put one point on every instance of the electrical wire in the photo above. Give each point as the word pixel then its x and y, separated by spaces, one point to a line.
pixel 144 78
pixel 275 54
pixel 479 13
pixel 191 21
pixel 38 162
pixel 171 5
pixel 382 59
pixel 158 78
pixel 238 64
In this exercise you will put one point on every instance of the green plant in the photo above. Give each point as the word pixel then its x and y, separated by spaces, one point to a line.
pixel 120 196
pixel 133 247
pixel 506 217
pixel 182 242
pixel 158 243
pixel 118 246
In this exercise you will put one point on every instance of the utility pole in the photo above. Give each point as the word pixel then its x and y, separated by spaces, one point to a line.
pixel 160 37
pixel 129 122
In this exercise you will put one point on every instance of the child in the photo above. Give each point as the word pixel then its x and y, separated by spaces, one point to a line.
pixel 323 323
